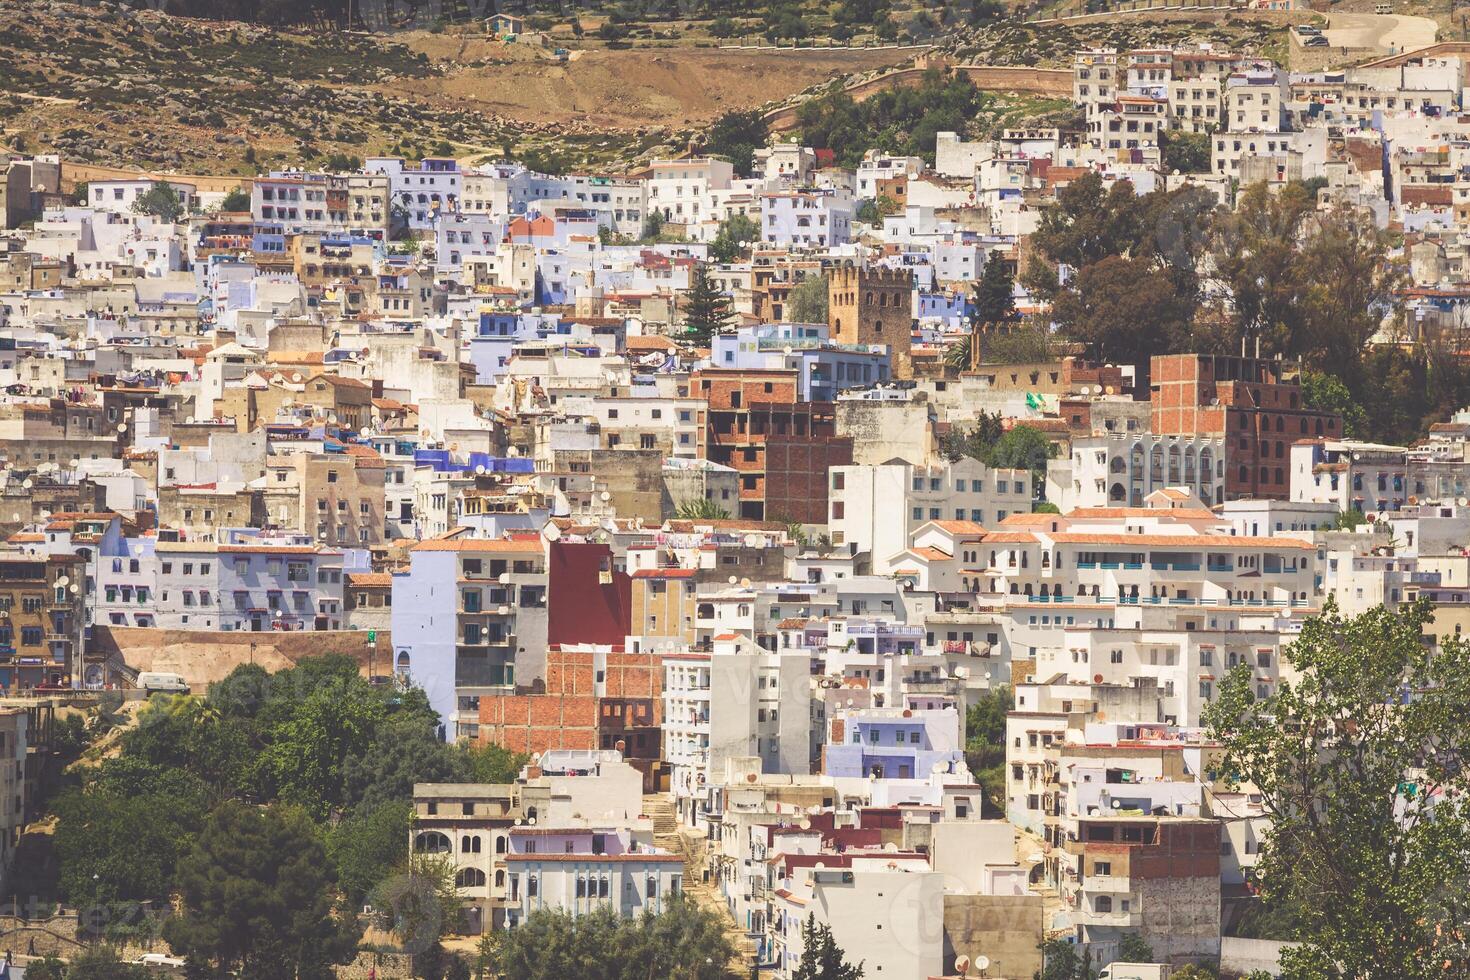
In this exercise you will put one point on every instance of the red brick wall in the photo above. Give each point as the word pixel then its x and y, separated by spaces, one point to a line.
pixel 796 476
pixel 569 714
pixel 1184 851
pixel 1259 417
pixel 536 722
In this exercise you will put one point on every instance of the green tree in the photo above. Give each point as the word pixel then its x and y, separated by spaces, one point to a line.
pixel 256 895
pixel 48 967
pixel 1302 282
pixel 366 848
pixel 723 27
pixel 1347 520
pixel 784 20
pixel 899 120
pixel 993 299
pixel 681 941
pixel 306 753
pixel 119 837
pixel 1360 765
pixel 735 234
pixel 821 957
pixel 405 750
pixel 1185 153
pixel 161 201
pixel 735 136
pixel 653 226
pixel 1133 949
pixel 706 310
pixel 807 301
pixel 1061 961
pixel 236 200
pixel 1124 312
pixel 489 763
pixel 1023 447
pixel 957 442
pixel 985 742
pixel 102 962
pixel 1327 393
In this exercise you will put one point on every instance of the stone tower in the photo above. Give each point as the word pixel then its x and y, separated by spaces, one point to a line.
pixel 874 306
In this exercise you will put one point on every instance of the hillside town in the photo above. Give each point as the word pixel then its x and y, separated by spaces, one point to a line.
pixel 858 553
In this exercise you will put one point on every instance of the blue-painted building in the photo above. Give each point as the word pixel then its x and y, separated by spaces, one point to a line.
pixel 896 743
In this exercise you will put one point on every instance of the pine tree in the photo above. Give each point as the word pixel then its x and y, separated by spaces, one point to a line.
pixel 993 300
pixel 821 958
pixel 706 309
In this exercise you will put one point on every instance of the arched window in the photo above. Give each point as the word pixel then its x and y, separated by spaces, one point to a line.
pixel 470 878
pixel 432 842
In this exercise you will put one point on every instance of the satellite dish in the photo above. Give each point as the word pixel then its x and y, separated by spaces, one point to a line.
pixel 122 427
pixel 605 495
pixel 733 580
pixel 551 532
pixel 961 964
pixel 63 580
pixel 480 470
pixel 982 963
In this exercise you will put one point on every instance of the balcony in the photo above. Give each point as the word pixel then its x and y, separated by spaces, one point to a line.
pixel 1122 920
pixel 1107 884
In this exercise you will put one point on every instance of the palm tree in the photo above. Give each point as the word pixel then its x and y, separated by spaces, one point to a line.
pixel 701 509
pixel 957 354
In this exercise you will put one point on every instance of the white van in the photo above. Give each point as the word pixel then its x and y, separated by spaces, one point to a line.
pixel 1136 971
pixel 153 680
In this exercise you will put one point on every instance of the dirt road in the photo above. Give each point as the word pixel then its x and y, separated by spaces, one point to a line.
pixel 1387 32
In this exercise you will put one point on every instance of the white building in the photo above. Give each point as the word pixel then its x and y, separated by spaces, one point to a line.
pixel 865 501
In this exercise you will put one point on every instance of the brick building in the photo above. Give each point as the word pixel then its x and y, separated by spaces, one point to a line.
pixel 1255 403
pixel 782 448
pixel 594 698
pixel 874 306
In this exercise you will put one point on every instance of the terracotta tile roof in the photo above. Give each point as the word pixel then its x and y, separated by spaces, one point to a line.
pixel 369 580
pixel 960 527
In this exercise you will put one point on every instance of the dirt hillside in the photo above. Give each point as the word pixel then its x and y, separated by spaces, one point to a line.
pixel 110 85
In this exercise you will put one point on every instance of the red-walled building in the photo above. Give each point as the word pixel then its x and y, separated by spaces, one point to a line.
pixel 587 600
pixel 592 698
pixel 1255 403
pixel 781 447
